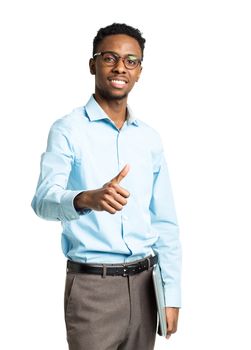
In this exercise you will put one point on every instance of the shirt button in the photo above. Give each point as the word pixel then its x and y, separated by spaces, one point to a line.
pixel 124 217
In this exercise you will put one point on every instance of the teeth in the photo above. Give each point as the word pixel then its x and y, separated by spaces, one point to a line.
pixel 118 81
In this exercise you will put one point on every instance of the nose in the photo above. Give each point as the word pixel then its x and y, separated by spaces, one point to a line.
pixel 119 66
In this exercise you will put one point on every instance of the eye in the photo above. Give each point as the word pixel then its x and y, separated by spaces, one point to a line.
pixel 132 61
pixel 109 58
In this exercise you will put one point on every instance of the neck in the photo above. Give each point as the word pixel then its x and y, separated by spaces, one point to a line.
pixel 115 109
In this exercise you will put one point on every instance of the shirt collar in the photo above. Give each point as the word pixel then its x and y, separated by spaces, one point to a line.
pixel 95 112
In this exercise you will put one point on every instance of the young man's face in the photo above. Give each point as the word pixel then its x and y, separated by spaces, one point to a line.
pixel 115 82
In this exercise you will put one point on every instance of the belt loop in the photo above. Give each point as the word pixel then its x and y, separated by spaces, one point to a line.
pixel 104 271
pixel 148 263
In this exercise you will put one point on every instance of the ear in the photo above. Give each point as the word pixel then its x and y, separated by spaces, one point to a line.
pixel 137 79
pixel 92 66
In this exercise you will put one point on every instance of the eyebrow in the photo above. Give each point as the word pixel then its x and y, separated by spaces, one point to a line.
pixel 128 54
pixel 132 54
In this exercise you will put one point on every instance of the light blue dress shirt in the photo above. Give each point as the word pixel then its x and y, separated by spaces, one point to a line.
pixel 85 150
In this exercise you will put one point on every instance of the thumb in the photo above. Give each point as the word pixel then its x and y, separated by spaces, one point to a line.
pixel 121 174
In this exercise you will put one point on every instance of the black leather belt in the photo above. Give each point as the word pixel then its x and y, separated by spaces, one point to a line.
pixel 113 269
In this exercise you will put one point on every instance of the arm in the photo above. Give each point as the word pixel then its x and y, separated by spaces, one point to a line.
pixel 53 201
pixel 164 222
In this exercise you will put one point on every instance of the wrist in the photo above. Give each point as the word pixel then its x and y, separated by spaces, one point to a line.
pixel 81 201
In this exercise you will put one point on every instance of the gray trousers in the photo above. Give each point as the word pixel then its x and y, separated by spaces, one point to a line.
pixel 111 313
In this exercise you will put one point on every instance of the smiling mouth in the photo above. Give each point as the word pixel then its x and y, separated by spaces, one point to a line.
pixel 117 83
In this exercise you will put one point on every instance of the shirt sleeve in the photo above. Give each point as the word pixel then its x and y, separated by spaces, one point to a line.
pixel 52 200
pixel 164 223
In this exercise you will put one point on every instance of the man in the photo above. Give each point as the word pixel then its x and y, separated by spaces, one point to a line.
pixel 104 176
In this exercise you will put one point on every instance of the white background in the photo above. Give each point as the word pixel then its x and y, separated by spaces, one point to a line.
pixel 195 90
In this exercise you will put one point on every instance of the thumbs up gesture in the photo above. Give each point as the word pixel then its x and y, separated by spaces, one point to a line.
pixel 111 197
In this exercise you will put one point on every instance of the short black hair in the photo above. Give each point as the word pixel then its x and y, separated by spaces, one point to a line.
pixel 118 28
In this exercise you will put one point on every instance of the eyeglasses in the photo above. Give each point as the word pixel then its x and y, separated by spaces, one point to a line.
pixel 111 59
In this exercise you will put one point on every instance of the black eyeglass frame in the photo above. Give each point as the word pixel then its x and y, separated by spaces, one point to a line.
pixel 118 57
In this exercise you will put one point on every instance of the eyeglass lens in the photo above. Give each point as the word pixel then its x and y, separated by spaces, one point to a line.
pixel 112 59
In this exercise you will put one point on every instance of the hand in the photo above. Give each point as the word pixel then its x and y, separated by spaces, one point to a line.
pixel 111 197
pixel 172 315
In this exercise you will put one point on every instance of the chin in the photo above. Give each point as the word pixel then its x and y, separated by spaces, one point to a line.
pixel 118 97
pixel 111 96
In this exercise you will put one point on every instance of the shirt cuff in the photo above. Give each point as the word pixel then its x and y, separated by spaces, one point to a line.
pixel 172 296
pixel 68 210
